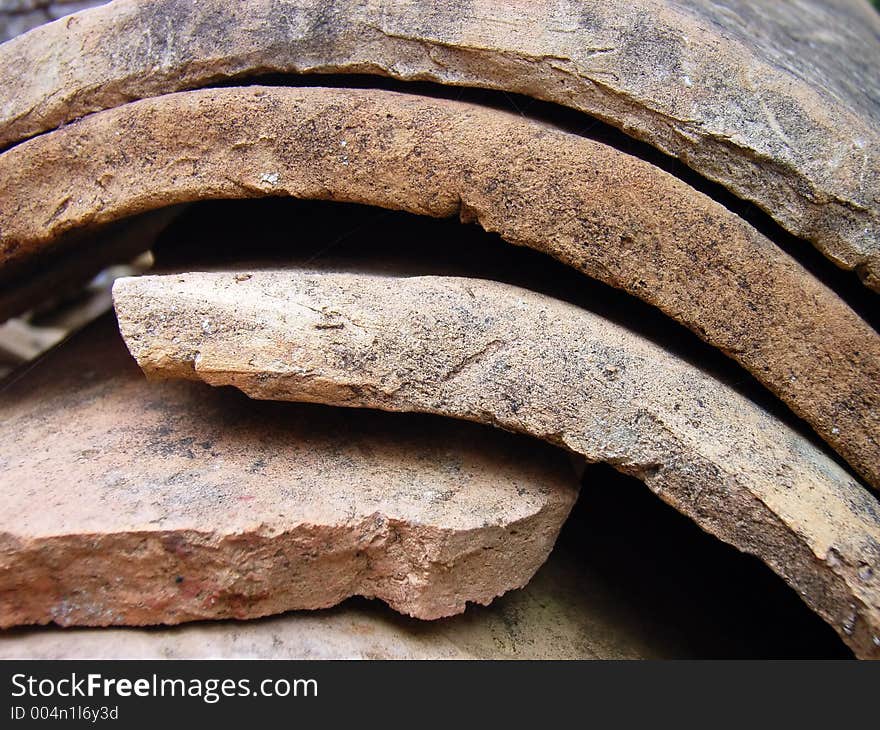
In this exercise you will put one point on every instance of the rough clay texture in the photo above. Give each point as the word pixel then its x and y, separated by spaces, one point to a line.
pixel 498 354
pixel 563 613
pixel 130 503
pixel 607 214
pixel 776 101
